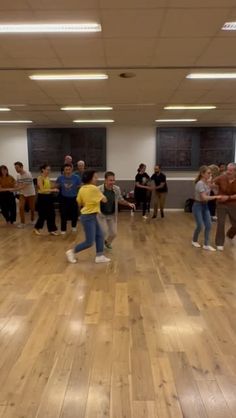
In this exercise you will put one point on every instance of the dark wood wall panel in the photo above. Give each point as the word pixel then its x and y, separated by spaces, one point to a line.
pixel 189 148
pixel 52 144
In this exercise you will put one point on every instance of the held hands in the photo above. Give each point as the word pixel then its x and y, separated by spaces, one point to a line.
pixel 222 198
pixel 132 206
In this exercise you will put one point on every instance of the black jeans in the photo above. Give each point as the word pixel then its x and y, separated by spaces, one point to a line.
pixel 46 212
pixel 69 210
pixel 8 206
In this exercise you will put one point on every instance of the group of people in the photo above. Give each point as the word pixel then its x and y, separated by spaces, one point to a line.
pixel 97 207
pixel 146 186
pixel 215 199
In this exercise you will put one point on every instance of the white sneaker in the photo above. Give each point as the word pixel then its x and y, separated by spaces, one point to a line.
pixel 70 255
pixel 20 225
pixel 74 229
pixel 102 259
pixel 145 217
pixel 195 244
pixel 208 247
pixel 220 248
pixel 63 232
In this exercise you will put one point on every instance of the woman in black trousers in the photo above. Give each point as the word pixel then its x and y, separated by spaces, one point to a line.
pixel 45 202
pixel 7 197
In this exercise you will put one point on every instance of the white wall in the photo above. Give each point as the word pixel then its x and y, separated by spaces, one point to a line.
pixel 126 148
pixel 13 146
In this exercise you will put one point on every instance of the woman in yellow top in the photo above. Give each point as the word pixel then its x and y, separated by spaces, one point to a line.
pixel 7 197
pixel 45 203
pixel 89 198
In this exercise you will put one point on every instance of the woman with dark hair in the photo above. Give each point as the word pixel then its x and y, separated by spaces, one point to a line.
pixel 200 207
pixel 45 202
pixel 142 189
pixel 7 197
pixel 89 198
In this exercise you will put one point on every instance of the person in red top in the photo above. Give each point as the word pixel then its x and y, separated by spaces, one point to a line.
pixel 226 205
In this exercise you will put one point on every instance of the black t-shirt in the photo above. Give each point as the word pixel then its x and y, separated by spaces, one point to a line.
pixel 158 179
pixel 108 208
pixel 142 179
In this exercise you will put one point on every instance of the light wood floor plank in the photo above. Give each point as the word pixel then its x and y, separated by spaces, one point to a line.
pixel 151 335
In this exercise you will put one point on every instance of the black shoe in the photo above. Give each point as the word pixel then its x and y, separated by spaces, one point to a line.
pixel 162 214
pixel 154 216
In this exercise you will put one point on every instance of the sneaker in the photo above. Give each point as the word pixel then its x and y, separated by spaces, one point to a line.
pixel 36 231
pixel 20 225
pixel 54 233
pixel 220 247
pixel 144 217
pixel 196 244
pixel 70 255
pixel 102 259
pixel 208 247
pixel 214 218
pixel 107 245
pixel 63 232
pixel 74 229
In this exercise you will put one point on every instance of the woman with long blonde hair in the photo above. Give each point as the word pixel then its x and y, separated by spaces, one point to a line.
pixel 200 207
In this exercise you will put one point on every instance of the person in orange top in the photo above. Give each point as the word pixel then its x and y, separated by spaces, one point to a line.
pixel 7 197
pixel 226 205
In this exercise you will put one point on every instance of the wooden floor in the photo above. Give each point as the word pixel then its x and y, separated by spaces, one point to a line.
pixel 152 335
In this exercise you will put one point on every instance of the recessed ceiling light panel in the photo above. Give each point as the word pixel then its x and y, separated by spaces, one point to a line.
pixel 50 28
pixel 211 76
pixel 88 108
pixel 229 26
pixel 190 107
pixel 15 121
pixel 175 120
pixel 55 77
pixel 94 121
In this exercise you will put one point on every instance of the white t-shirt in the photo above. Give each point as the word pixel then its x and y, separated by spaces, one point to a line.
pixel 201 187
pixel 26 179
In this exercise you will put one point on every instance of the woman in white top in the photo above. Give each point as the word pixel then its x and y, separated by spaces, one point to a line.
pixel 200 207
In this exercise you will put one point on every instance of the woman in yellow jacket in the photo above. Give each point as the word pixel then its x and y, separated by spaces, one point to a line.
pixel 89 198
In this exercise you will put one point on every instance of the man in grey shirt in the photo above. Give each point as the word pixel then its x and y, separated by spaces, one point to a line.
pixel 109 210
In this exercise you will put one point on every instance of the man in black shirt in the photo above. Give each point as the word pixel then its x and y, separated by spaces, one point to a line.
pixel 160 190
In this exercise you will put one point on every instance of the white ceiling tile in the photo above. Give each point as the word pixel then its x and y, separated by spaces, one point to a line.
pixel 178 51
pixel 128 52
pixel 193 22
pixel 131 23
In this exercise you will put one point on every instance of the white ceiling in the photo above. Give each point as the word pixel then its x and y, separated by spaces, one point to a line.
pixel 161 41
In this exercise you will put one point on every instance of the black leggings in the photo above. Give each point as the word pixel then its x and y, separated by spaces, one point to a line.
pixel 69 210
pixel 46 212
pixel 8 206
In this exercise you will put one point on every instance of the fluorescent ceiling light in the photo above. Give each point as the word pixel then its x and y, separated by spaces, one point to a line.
pixel 50 28
pixel 94 121
pixel 87 108
pixel 229 26
pixel 190 107
pixel 4 109
pixel 68 76
pixel 211 76
pixel 175 120
pixel 16 121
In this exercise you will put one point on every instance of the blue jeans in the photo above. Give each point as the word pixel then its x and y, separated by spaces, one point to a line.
pixel 93 234
pixel 202 217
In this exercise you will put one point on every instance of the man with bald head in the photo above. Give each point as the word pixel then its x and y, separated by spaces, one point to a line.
pixel 226 205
